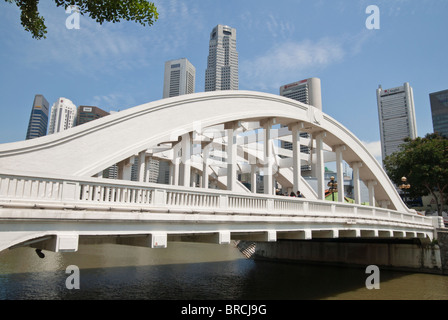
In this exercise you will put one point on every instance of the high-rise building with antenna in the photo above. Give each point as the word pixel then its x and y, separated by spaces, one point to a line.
pixel 222 62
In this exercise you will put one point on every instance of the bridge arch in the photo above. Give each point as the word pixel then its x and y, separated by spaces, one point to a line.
pixel 169 127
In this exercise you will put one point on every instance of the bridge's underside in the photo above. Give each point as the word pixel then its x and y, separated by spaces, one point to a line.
pixel 57 228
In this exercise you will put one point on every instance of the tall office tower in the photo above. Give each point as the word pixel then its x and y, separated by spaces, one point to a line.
pixel 153 172
pixel 307 91
pixel 63 116
pixel 179 79
pixel 396 114
pixel 439 111
pixel 88 113
pixel 222 62
pixel 37 126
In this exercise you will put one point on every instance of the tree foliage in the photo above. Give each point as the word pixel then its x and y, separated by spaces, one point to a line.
pixel 424 162
pixel 140 11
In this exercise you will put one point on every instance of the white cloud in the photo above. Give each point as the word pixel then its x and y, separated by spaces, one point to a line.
pixel 291 57
pixel 92 46
pixel 177 21
pixel 271 69
pixel 279 27
pixel 113 101
pixel 91 49
pixel 374 147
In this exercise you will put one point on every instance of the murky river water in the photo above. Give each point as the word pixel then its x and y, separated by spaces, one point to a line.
pixel 187 271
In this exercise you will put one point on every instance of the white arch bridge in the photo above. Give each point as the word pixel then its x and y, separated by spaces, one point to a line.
pixel 220 148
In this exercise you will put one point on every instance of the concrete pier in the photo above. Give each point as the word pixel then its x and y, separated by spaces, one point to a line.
pixel 442 240
pixel 397 254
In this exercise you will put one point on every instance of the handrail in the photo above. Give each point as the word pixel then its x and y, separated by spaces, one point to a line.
pixel 108 193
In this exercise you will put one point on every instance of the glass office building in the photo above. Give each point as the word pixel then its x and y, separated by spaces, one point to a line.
pixel 396 114
pixel 179 78
pixel 62 116
pixel 307 91
pixel 222 61
pixel 37 126
pixel 89 113
pixel 439 112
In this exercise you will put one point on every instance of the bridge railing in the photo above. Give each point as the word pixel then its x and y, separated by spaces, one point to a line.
pixel 100 194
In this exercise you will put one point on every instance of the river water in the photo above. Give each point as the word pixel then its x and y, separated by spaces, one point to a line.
pixel 192 271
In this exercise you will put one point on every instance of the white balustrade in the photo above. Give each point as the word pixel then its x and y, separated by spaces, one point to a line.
pixel 246 203
pixel 107 193
pixel 28 188
pixel 195 200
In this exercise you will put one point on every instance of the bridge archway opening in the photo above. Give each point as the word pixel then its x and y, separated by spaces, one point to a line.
pixel 223 141
pixel 210 145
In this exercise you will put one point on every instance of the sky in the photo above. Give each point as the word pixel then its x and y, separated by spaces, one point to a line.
pixel 116 66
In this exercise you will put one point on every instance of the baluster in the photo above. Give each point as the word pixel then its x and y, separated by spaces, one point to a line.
pixel 48 189
pixel 176 198
pixel 133 195
pixel 149 196
pixel 101 195
pixel 19 189
pixel 94 196
pixel 107 197
pixel 169 198
pixel 90 193
pixel 145 196
pixel 12 187
pixel 84 192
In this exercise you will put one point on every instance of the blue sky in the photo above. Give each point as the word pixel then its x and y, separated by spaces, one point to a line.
pixel 118 66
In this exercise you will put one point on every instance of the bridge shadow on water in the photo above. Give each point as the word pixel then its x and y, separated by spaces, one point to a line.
pixel 236 278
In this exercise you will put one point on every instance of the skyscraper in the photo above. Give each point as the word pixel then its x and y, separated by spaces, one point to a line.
pixel 179 78
pixel 396 114
pixel 89 113
pixel 307 91
pixel 439 112
pixel 63 115
pixel 222 62
pixel 86 114
pixel 37 126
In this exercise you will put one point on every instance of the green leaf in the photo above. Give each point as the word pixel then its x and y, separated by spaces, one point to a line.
pixel 140 11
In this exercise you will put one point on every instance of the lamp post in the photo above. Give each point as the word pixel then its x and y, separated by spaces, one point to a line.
pixel 333 187
pixel 404 186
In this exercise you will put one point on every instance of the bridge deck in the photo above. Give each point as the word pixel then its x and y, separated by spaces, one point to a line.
pixel 67 209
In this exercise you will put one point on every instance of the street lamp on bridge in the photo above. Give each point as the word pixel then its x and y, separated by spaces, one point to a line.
pixel 333 187
pixel 404 186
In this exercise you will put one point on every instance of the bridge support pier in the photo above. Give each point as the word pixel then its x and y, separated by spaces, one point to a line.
pixel 267 236
pixel 59 243
pixel 398 254
pixel 153 240
pixel 442 240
